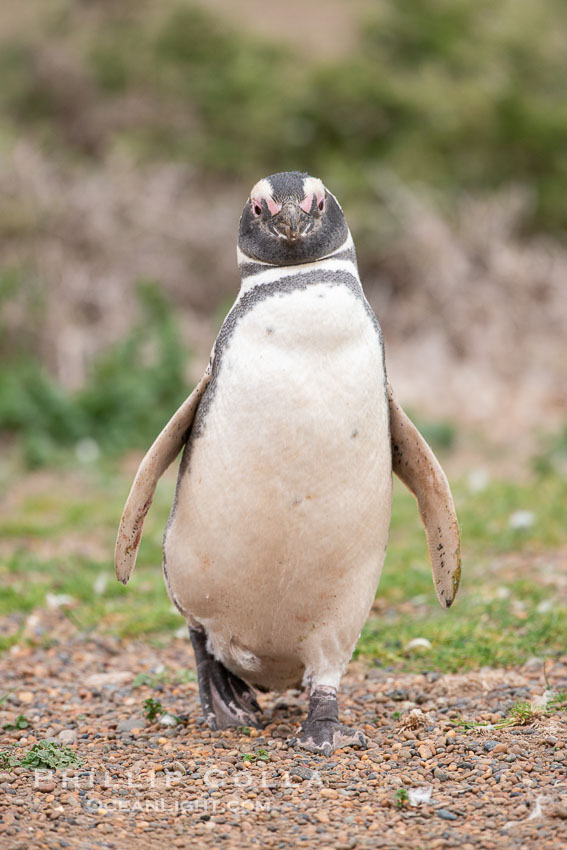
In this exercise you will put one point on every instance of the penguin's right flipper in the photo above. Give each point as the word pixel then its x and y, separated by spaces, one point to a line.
pixel 415 464
pixel 164 450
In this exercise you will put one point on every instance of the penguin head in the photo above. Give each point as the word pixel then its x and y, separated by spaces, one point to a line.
pixel 291 218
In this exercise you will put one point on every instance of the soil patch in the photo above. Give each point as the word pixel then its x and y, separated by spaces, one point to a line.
pixel 423 778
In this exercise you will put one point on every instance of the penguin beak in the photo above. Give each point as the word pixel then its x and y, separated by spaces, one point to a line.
pixel 290 222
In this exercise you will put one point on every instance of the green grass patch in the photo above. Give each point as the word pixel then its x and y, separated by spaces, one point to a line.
pixel 78 517
pixel 48 755
pixel 21 722
pixel 152 709
pixel 156 680
pixel 496 619
pixel 506 611
pixel 45 755
pixel 486 634
pixel 259 755
pixel 524 713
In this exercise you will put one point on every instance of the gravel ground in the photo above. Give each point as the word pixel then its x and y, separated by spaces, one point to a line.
pixel 149 786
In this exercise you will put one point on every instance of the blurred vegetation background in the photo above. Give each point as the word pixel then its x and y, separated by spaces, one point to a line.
pixel 130 134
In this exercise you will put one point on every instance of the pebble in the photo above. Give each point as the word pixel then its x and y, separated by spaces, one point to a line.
pixel 329 793
pixel 278 803
pixel 27 697
pixel 67 736
pixel 398 695
pixel 446 814
pixel 302 772
pixel 130 724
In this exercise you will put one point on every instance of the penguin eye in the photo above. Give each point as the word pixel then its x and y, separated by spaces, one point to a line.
pixel 256 207
pixel 313 201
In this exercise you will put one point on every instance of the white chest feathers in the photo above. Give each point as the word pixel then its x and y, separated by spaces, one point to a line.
pixel 284 504
pixel 314 351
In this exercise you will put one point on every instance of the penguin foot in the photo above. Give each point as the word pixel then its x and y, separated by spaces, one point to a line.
pixel 322 732
pixel 225 699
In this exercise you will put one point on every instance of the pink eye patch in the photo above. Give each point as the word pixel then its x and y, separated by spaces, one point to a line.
pixel 307 203
pixel 273 206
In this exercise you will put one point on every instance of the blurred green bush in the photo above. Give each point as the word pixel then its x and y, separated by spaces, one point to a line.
pixel 132 390
pixel 452 93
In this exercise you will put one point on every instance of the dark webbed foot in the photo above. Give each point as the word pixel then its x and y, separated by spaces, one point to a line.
pixel 322 732
pixel 225 699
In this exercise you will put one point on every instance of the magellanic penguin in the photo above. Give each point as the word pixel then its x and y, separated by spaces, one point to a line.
pixel 277 535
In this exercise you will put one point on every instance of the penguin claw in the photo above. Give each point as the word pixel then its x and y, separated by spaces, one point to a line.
pixel 226 700
pixel 233 700
pixel 326 737
pixel 211 721
pixel 322 733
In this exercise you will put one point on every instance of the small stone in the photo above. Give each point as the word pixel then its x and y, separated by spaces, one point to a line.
pixel 398 695
pixel 446 814
pixel 302 772
pixel 424 752
pixel 559 812
pixel 418 643
pixel 130 724
pixel 330 793
pixel 489 746
pixel 25 696
pixel 56 812
pixel 67 736
pixel 440 774
pixel 500 748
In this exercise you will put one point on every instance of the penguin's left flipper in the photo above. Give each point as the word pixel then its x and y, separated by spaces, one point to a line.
pixel 416 465
pixel 164 450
